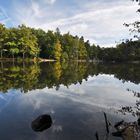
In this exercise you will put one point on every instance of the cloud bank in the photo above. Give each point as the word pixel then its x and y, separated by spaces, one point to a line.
pixel 101 22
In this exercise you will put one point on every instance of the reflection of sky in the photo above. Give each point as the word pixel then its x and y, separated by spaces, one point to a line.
pixel 5 99
pixel 102 90
pixel 74 110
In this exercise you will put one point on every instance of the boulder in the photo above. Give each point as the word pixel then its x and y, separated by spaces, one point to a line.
pixel 41 123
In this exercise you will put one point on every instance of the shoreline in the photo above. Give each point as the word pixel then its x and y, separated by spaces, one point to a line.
pixel 41 60
pixel 46 60
pixel 26 60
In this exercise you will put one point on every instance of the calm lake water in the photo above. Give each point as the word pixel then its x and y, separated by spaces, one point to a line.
pixel 75 95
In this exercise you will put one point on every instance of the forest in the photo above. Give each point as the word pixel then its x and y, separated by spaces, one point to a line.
pixel 26 42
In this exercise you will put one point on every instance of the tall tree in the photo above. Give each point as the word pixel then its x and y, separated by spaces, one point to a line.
pixel 3 35
pixel 57 50
pixel 12 41
pixel 82 49
pixel 27 42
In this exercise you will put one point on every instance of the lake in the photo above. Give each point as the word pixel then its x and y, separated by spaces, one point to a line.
pixel 74 95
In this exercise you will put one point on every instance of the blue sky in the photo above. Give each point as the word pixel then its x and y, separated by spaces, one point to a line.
pixel 100 21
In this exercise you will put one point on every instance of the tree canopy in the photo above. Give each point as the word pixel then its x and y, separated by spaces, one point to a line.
pixel 25 42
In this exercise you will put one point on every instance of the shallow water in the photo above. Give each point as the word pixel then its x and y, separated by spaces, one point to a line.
pixel 75 95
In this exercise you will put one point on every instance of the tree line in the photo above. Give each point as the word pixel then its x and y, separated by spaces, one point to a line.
pixel 125 51
pixel 25 42
pixel 28 42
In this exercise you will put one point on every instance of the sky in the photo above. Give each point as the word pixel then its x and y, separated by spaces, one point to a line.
pixel 99 21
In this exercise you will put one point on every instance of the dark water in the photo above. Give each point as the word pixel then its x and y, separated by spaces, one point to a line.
pixel 75 95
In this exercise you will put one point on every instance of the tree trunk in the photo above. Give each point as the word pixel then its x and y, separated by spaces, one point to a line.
pixel 23 55
pixel 13 59
pixel 1 65
pixel 1 54
pixel 23 64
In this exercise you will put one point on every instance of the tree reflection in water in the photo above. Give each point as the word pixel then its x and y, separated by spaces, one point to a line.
pixel 131 130
pixel 30 76
pixel 133 110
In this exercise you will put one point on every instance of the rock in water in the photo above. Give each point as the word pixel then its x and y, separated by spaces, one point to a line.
pixel 41 123
pixel 139 121
pixel 128 131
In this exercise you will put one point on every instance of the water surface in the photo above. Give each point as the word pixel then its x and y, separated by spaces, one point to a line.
pixel 75 95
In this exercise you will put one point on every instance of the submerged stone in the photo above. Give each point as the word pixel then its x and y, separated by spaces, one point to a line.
pixel 128 131
pixel 41 123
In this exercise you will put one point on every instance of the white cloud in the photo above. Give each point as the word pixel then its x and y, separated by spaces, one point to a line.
pixel 35 9
pixel 96 21
pixel 50 1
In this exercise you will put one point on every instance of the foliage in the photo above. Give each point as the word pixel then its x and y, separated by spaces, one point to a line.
pixel 57 50
pixel 3 35
pixel 18 41
pixel 25 42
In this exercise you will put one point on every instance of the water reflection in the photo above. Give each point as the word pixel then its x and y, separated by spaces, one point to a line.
pixel 42 123
pixel 27 77
pixel 133 110
pixel 74 94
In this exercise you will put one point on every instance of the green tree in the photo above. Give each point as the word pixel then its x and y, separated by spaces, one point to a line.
pixel 12 42
pixel 57 50
pixel 64 56
pixel 46 42
pixel 27 42
pixel 13 50
pixel 3 35
pixel 82 49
